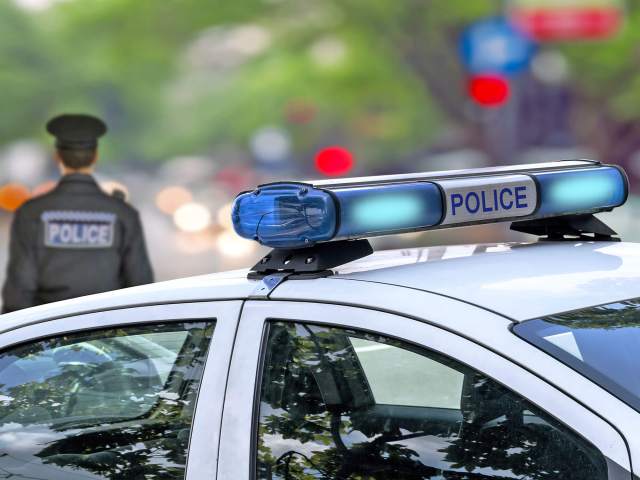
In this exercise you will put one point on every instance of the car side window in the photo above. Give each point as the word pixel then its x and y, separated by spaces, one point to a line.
pixel 103 404
pixel 344 404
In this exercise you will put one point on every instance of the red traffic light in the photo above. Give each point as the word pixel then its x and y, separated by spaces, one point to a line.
pixel 489 90
pixel 334 161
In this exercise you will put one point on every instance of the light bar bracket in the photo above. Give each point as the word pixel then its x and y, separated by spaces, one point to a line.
pixel 312 262
pixel 570 227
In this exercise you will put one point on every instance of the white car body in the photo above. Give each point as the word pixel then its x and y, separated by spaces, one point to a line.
pixel 460 301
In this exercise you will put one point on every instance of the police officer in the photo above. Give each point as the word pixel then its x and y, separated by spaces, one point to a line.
pixel 76 239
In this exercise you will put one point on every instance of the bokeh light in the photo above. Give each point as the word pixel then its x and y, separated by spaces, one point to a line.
pixel 195 243
pixel 231 245
pixel 13 195
pixel 24 161
pixel 36 5
pixel 334 161
pixel 224 216
pixel 489 90
pixel 236 178
pixel 328 52
pixel 192 217
pixel 169 199
pixel 271 144
pixel 550 67
pixel 556 20
pixel 111 186
pixel 300 111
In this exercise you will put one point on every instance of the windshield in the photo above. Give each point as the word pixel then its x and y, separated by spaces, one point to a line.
pixel 602 343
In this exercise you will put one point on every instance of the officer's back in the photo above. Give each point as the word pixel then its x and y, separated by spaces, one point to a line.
pixel 76 239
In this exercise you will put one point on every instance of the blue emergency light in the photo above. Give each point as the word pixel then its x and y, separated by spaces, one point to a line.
pixel 292 215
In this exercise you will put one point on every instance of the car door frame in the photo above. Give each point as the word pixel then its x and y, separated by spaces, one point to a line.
pixel 205 429
pixel 237 454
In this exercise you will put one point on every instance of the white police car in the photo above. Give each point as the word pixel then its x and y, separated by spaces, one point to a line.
pixel 496 361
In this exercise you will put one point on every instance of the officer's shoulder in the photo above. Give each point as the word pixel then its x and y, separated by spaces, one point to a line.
pixel 116 194
pixel 35 203
pixel 118 200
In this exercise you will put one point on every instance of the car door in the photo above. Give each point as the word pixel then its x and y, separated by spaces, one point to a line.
pixel 118 394
pixel 331 391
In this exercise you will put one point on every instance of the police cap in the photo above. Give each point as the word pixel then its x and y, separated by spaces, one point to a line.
pixel 76 131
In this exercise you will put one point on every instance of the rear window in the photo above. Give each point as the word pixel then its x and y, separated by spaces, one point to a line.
pixel 602 343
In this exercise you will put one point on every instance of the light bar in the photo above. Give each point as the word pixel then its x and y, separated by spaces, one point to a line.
pixel 290 214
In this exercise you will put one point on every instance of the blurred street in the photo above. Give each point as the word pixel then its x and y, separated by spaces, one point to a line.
pixel 204 102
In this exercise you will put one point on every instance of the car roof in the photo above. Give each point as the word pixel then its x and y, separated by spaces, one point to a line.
pixel 517 280
pixel 221 286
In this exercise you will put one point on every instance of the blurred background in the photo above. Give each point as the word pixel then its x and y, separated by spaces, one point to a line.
pixel 205 99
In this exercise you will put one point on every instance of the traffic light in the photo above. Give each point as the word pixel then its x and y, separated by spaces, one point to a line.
pixel 334 161
pixel 489 90
pixel 493 50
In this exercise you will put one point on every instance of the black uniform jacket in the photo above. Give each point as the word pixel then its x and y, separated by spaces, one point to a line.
pixel 73 241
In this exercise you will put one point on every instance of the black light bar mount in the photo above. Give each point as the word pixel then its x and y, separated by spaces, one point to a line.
pixel 568 227
pixel 312 262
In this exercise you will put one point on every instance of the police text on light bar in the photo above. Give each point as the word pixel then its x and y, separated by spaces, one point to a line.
pixel 292 214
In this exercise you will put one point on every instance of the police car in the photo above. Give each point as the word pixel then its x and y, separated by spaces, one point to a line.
pixel 326 361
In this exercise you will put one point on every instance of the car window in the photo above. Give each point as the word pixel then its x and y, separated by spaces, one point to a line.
pixel 408 365
pixel 601 342
pixel 103 404
pixel 344 404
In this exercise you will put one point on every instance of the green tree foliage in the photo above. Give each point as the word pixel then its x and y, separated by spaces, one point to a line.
pixel 26 70
pixel 154 71
pixel 129 61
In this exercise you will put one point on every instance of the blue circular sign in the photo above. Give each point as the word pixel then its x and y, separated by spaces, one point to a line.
pixel 494 45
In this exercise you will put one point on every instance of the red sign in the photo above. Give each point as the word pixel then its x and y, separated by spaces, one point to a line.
pixel 568 20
